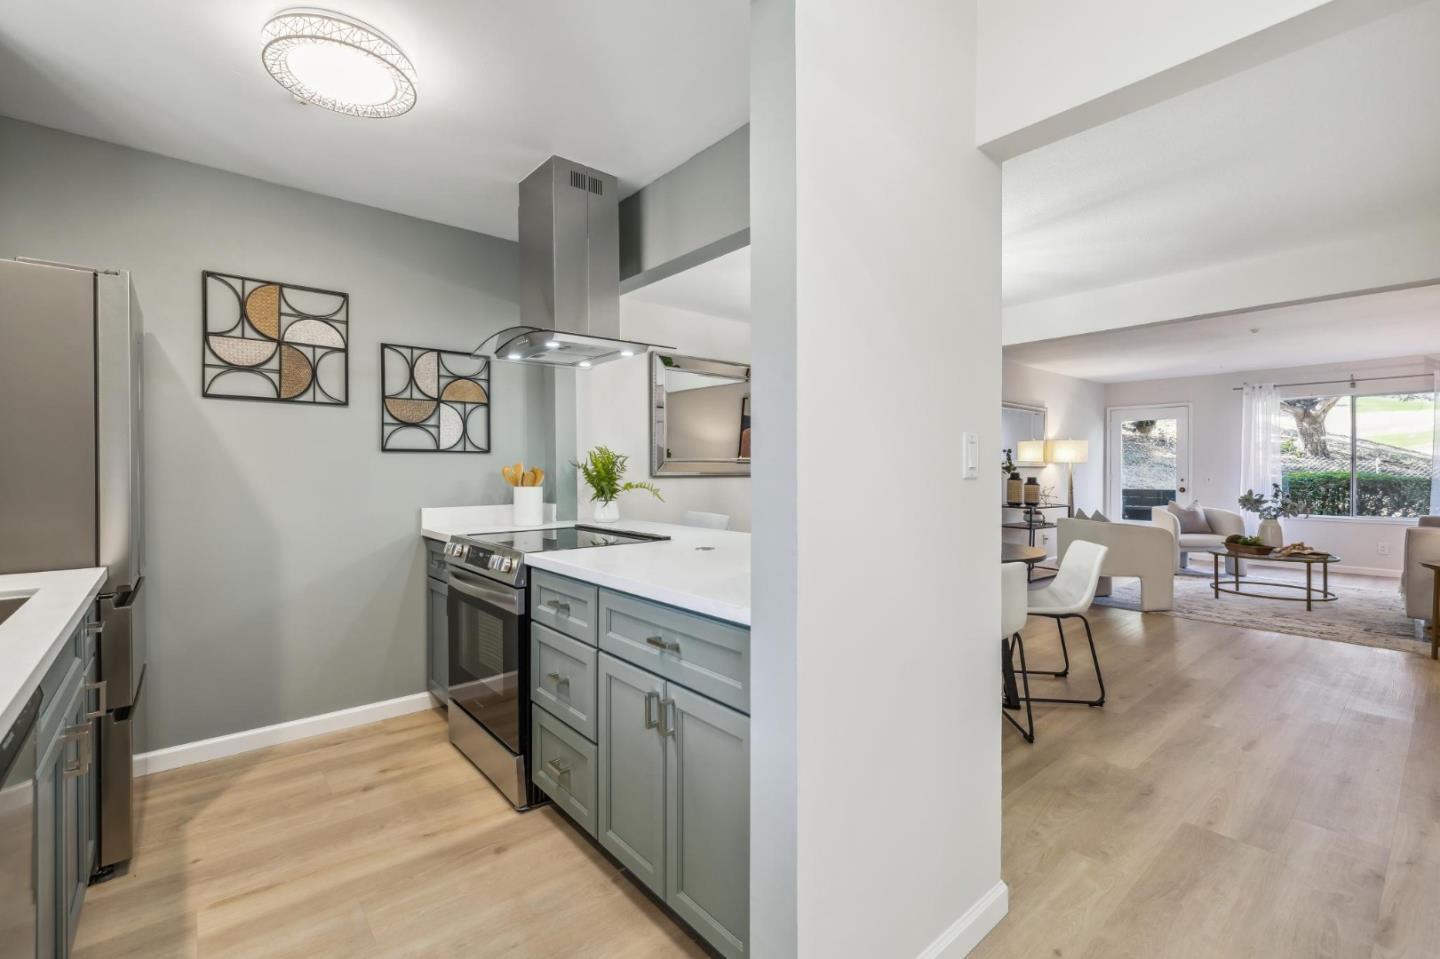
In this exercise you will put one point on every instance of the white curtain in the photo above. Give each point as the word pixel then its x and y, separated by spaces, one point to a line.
pixel 1260 438
pixel 1435 450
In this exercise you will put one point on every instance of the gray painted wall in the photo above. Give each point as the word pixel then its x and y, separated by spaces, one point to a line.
pixel 285 572
pixel 694 213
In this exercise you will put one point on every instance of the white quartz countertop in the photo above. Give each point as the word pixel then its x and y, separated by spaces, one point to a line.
pixel 706 571
pixel 34 634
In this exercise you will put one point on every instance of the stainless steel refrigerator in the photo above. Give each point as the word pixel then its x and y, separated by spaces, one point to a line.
pixel 71 491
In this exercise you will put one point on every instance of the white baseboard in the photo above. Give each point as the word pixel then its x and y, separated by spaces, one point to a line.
pixel 966 932
pixel 232 744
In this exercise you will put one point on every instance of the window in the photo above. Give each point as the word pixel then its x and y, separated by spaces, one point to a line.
pixel 1359 455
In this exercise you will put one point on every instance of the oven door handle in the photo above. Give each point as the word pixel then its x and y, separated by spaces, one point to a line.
pixel 473 586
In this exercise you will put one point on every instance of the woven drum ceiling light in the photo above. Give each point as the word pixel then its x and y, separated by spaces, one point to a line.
pixel 338 63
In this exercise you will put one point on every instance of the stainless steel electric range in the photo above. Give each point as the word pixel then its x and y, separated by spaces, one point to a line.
pixel 490 646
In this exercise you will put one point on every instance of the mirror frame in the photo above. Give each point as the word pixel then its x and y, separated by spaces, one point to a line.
pixel 660 464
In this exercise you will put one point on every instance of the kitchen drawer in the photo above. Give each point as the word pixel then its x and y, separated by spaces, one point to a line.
pixel 565 768
pixel 434 559
pixel 65 672
pixel 710 657
pixel 564 678
pixel 563 604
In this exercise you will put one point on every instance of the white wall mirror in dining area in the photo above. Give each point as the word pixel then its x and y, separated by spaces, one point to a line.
pixel 700 416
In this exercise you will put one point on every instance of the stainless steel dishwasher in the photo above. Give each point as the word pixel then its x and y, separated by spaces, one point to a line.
pixel 18 915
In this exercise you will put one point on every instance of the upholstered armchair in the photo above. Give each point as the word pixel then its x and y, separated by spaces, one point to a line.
pixel 1422 545
pixel 1222 522
pixel 1134 549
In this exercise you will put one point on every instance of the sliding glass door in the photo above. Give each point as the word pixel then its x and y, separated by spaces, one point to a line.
pixel 1148 459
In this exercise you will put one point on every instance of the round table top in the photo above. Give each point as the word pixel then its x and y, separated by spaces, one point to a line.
pixel 1273 558
pixel 1015 553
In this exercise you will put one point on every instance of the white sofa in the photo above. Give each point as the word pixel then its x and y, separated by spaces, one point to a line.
pixel 1222 522
pixel 1422 545
pixel 1140 550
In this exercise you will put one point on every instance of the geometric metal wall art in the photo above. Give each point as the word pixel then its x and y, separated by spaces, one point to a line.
pixel 264 340
pixel 433 401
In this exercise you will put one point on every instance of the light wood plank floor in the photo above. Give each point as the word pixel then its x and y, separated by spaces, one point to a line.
pixel 1241 794
pixel 378 841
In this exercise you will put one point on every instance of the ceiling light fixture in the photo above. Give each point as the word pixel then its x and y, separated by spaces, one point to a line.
pixel 338 63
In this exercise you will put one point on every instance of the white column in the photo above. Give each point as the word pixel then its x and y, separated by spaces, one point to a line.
pixel 876 252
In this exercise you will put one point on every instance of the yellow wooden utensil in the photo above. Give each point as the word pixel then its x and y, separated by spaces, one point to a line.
pixel 539 476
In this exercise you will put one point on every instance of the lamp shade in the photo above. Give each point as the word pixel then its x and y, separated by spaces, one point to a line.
pixel 1067 451
pixel 1030 453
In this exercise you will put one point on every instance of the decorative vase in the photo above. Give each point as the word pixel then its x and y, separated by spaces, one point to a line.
pixel 529 507
pixel 607 512
pixel 1271 533
pixel 1032 492
pixel 1013 490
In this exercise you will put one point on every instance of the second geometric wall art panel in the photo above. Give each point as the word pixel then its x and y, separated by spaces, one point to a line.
pixel 264 340
pixel 433 401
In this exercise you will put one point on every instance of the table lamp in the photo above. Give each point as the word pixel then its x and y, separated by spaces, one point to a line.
pixel 1068 452
pixel 1030 453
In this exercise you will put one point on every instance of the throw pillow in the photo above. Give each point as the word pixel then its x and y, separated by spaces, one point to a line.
pixel 1192 518
pixel 1099 517
pixel 1080 514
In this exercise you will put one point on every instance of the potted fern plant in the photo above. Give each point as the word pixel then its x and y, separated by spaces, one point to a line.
pixel 603 470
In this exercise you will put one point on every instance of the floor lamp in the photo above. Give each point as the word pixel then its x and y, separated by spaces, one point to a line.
pixel 1068 452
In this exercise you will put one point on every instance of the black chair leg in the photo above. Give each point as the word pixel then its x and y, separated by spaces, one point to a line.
pixel 1064 650
pixel 1094 657
pixel 1028 730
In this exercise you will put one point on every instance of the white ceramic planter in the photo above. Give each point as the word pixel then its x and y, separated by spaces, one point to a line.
pixel 1271 533
pixel 607 512
pixel 529 509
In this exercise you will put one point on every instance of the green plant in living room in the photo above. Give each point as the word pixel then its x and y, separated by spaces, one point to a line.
pixel 1278 505
pixel 603 470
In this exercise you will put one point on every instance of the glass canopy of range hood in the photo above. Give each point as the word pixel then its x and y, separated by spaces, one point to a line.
pixel 558 348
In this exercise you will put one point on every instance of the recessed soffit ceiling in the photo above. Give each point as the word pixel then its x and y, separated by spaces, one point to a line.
pixel 1372 326
pixel 634 89
pixel 718 287
pixel 1334 139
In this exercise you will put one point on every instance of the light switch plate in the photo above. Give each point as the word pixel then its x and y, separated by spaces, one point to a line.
pixel 971 445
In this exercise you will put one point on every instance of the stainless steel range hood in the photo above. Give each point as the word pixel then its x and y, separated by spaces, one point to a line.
pixel 569 271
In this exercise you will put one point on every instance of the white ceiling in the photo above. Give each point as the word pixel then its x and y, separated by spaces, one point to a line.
pixel 718 287
pixel 1338 138
pixel 632 88
pixel 1369 327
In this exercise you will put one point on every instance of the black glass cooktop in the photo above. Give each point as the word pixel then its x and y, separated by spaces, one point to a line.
pixel 570 537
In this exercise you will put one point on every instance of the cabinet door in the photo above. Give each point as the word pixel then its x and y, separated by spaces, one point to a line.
pixel 76 783
pixel 437 640
pixel 707 871
pixel 47 882
pixel 632 770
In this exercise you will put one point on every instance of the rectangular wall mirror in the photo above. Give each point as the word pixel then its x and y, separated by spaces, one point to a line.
pixel 1020 422
pixel 699 417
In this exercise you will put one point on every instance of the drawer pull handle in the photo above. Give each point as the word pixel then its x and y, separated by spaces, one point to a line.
pixel 559 679
pixel 561 609
pixel 559 767
pixel 102 705
pixel 651 720
pixel 660 642
pixel 667 716
pixel 80 735
pixel 94 629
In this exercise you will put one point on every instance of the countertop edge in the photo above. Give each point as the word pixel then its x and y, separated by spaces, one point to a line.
pixel 11 706
pixel 735 615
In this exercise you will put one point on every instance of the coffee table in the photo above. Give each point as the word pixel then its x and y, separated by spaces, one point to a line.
pixel 1235 585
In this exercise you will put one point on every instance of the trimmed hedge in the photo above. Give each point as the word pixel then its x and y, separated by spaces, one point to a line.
pixel 1327 493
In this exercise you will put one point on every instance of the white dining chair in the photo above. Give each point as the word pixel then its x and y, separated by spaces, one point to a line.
pixel 695 517
pixel 1014 608
pixel 1067 596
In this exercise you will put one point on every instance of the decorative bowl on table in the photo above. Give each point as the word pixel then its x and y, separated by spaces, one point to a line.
pixel 1247 546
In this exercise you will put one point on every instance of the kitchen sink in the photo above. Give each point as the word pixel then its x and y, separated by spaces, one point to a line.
pixel 8 606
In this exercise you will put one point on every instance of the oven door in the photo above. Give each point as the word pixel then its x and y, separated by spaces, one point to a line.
pixel 487 642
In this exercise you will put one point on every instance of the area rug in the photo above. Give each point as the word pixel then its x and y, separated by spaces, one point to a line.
pixel 1365 617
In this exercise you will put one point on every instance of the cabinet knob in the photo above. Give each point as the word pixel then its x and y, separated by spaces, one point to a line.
pixel 559 679
pixel 651 720
pixel 102 705
pixel 559 767
pixel 667 718
pixel 562 609
pixel 80 735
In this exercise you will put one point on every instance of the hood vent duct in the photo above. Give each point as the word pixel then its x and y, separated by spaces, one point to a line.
pixel 569 271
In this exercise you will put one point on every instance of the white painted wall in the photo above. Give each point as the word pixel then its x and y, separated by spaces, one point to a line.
pixel 1074 409
pixel 1405 253
pixel 1215 449
pixel 879 868
pixel 1090 61
pixel 612 409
